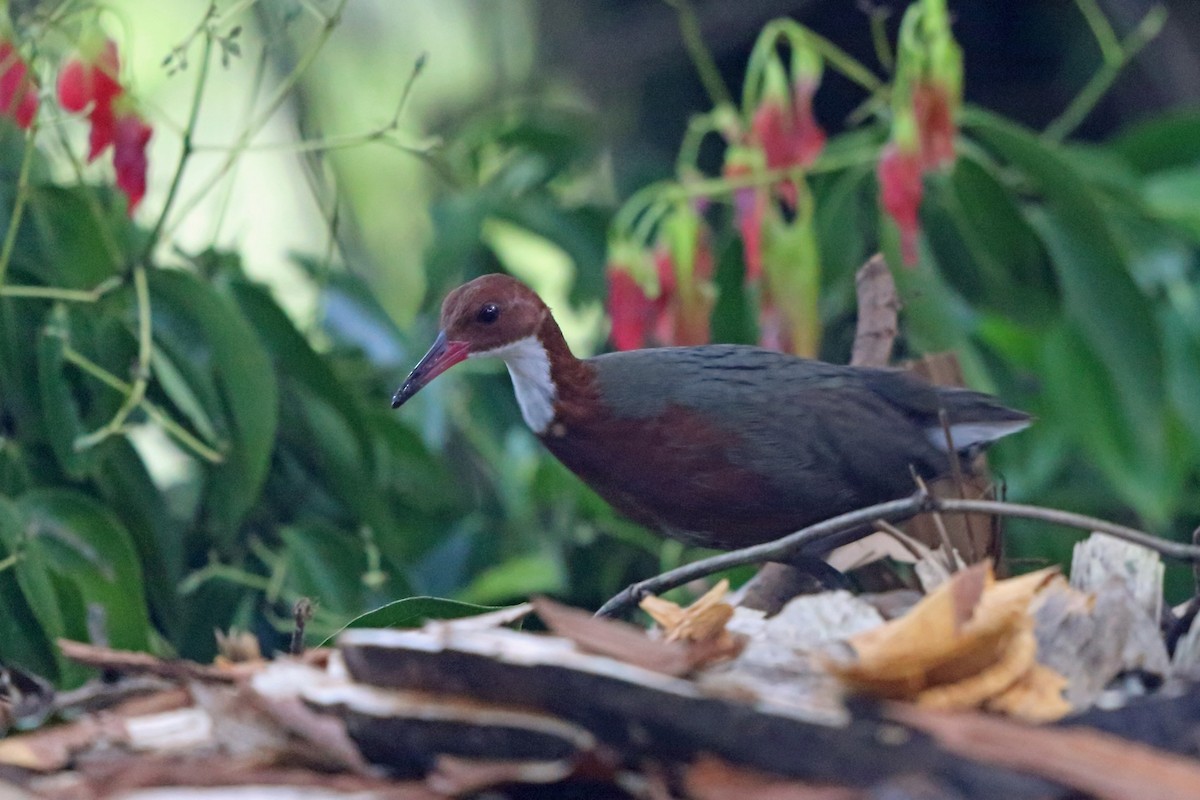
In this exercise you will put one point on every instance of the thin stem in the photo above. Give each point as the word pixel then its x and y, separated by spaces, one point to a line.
pixel 186 148
pixel 1106 37
pixel 111 247
pixel 845 63
pixel 14 220
pixel 1083 104
pixel 256 125
pixel 141 373
pixel 216 570
pixel 702 59
pixel 63 295
pixel 155 413
pixel 698 129
pixel 340 142
pixel 819 536
pixel 878 17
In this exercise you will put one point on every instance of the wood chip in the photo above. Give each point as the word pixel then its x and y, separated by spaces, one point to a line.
pixel 615 639
pixel 1089 761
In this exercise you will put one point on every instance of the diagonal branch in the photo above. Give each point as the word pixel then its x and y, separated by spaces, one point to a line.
pixel 826 534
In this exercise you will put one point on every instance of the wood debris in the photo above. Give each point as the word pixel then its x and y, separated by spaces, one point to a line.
pixel 597 708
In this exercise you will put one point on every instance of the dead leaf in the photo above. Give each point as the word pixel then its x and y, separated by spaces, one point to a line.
pixel 615 639
pixel 1037 696
pixel 702 620
pixel 967 643
pixel 702 625
pixel 53 748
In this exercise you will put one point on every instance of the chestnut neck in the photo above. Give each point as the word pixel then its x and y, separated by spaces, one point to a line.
pixel 576 396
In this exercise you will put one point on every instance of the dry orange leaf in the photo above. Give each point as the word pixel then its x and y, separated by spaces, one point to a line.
pixel 702 621
pixel 968 644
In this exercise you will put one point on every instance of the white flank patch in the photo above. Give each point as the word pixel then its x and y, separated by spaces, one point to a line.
pixel 529 367
pixel 969 434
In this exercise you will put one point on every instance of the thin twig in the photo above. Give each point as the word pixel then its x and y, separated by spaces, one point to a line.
pixel 702 59
pixel 162 418
pixel 255 126
pixel 141 369
pixel 92 295
pixel 187 148
pixel 812 538
pixel 14 220
pixel 1079 108
pixel 960 483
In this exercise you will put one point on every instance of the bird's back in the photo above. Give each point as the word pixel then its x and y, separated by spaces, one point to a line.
pixel 729 444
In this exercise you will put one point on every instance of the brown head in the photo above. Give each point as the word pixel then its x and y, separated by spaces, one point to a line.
pixel 480 318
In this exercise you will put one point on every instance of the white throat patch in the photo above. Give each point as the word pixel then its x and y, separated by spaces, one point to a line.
pixel 529 366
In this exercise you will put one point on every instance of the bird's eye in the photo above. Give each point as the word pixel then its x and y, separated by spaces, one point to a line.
pixel 488 314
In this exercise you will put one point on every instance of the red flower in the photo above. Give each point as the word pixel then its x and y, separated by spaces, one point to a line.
pixel 788 133
pixel 630 309
pixel 677 316
pixel 750 210
pixel 18 88
pixel 935 123
pixel 131 134
pixel 91 79
pixel 899 173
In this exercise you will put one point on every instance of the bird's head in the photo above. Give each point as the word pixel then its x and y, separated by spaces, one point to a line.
pixel 484 317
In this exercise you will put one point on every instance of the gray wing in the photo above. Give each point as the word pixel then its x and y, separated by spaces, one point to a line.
pixel 819 430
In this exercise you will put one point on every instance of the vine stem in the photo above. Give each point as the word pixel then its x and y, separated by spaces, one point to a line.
pixel 825 534
pixel 633 217
pixel 1115 60
pixel 92 295
pixel 186 147
pixel 256 124
pixel 141 372
pixel 155 413
pixel 702 58
pixel 14 220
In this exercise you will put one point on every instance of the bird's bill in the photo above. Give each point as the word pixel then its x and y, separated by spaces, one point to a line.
pixel 443 355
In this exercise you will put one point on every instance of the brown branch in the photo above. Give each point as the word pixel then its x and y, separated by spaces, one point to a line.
pixel 878 306
pixel 825 534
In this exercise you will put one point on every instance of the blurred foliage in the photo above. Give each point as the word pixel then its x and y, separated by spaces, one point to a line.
pixel 178 454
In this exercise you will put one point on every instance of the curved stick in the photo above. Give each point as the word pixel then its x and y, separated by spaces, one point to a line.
pixel 921 502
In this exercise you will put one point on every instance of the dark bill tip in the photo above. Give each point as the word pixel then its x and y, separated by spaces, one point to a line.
pixel 441 356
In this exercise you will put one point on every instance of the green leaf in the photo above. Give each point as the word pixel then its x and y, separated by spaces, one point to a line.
pixel 71 248
pixel 1098 291
pixel 127 488
pixel 60 413
pixel 517 577
pixel 412 612
pixel 1174 196
pixel 325 565
pixel 200 326
pixel 88 548
pixel 1080 391
pixel 30 619
pixel 296 360
pixel 1162 143
pixel 182 391
pixel 1010 270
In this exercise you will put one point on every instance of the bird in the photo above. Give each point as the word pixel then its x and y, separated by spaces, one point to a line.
pixel 720 445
